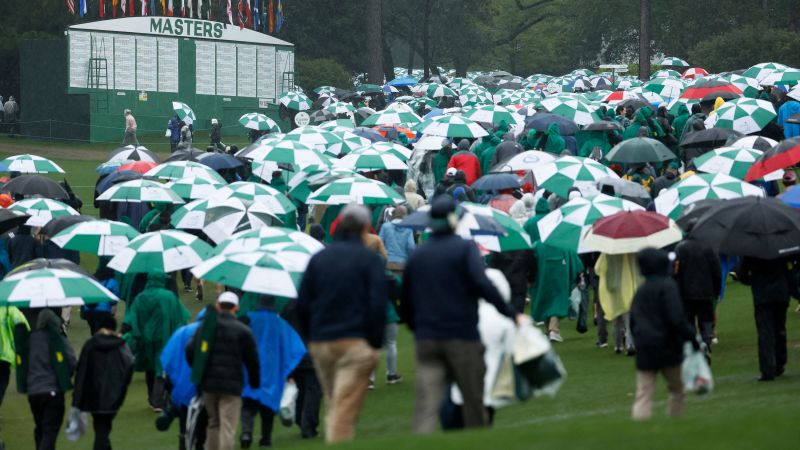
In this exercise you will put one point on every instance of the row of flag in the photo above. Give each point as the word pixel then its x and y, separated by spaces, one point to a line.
pixel 260 15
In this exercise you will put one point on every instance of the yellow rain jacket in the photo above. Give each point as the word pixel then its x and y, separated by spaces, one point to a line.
pixel 619 279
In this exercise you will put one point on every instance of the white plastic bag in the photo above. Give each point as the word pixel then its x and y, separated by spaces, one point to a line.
pixel 695 371
pixel 529 343
pixel 168 133
pixel 575 303
pixel 77 423
pixel 288 401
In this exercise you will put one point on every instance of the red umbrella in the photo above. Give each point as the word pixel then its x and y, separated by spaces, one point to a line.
pixel 709 88
pixel 631 231
pixel 384 129
pixel 694 72
pixel 785 154
pixel 137 166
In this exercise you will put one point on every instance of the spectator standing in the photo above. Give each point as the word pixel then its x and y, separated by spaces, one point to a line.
pixel 130 129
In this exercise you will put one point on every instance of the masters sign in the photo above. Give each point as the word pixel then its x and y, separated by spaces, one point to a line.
pixel 187 27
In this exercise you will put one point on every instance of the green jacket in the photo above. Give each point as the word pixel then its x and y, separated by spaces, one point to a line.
pixel 531 226
pixel 588 140
pixel 155 314
pixel 555 271
pixel 680 121
pixel 279 184
pixel 529 141
pixel 485 144
pixel 10 317
pixel 555 143
pixel 440 162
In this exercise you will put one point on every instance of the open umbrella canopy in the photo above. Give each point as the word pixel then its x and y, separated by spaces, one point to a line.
pixel 161 252
pixel 392 117
pixel 711 137
pixel 10 219
pixel 745 115
pixel 132 153
pixel 337 108
pixel 184 112
pixel 98 237
pixel 672 61
pixel 732 161
pixel 192 188
pixel 138 191
pixel 42 210
pixel 751 226
pixel 276 201
pixel 29 164
pixel 512 238
pixel 295 100
pixel 177 170
pixel 258 121
pixel 137 166
pixel 116 178
pixel 496 182
pixel 359 190
pixel 640 150
pixel 760 143
pixel 313 137
pixel 110 166
pixel 369 159
pixel 763 70
pixel 785 154
pixel 791 197
pixel 294 153
pixel 304 182
pixel 694 72
pixel 185 155
pixel 257 272
pixel 571 108
pixel 349 142
pixel 43 288
pixel 528 160
pixel 694 211
pixel 630 232
pixel 61 223
pixel 705 186
pixel 665 87
pixel 451 126
pixel 492 114
pixel 251 240
pixel 541 121
pixel 50 263
pixel 219 161
pixel 566 172
pixel 224 217
pixel 31 185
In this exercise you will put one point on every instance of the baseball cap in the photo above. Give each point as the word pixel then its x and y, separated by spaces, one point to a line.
pixel 228 297
pixel 452 171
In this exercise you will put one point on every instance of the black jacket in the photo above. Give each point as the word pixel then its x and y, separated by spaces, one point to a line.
pixel 443 280
pixel 105 368
pixel 23 248
pixel 506 150
pixel 234 349
pixel 768 279
pixel 663 182
pixel 517 266
pixel 343 294
pixel 658 322
pixel 699 274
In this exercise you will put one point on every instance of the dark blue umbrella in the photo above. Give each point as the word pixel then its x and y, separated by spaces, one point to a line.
pixel 541 120
pixel 791 197
pixel 219 161
pixel 496 182
pixel 117 177
pixel 403 81
pixel 368 133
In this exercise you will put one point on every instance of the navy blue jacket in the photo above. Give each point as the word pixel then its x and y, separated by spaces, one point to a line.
pixel 443 280
pixel 343 295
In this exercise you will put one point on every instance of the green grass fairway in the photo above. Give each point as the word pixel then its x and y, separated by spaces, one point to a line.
pixel 591 411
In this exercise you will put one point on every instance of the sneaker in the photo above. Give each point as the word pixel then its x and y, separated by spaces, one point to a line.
pixel 199 293
pixel 555 336
pixel 630 352
pixel 714 340
pixel 618 350
pixel 187 289
pixel 599 344
pixel 394 378
pixel 245 440
pixel 371 385
pixel 264 444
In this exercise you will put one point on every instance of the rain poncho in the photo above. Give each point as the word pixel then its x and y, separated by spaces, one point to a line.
pixel 10 317
pixel 680 121
pixel 591 139
pixel 176 368
pixel 487 143
pixel 787 110
pixel 154 315
pixel 556 271
pixel 440 162
pixel 552 142
pixel 641 120
pixel 619 278
pixel 528 142
pixel 532 225
pixel 280 350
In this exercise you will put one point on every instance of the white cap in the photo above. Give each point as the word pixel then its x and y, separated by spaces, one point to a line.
pixel 452 171
pixel 228 297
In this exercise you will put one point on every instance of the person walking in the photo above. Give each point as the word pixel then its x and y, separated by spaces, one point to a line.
pixel 95 313
pixel 105 369
pixel 554 273
pixel 618 279
pixel 10 318
pixel 174 127
pixel 10 112
pixel 769 284
pixel 398 241
pixel 216 135
pixel 341 310
pixel 23 247
pixel 219 352
pixel 660 330
pixel 443 280
pixel 185 142
pixel 130 129
pixel 45 363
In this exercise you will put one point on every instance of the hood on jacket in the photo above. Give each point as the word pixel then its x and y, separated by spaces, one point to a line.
pixel 503 127
pixel 553 129
pixel 529 200
pixel 531 134
pixel 718 102
pixel 47 318
pixel 156 280
pixel 463 145
pixel 508 137
pixel 542 206
pixel 108 342
pixel 653 262
pixel 517 210
pixel 641 117
pixel 410 186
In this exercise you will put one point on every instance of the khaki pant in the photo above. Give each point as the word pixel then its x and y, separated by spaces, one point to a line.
pixel 645 386
pixel 554 324
pixel 343 367
pixel 223 417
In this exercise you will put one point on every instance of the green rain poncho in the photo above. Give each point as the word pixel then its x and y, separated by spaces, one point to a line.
pixel 556 271
pixel 588 140
pixel 440 162
pixel 155 314
pixel 639 121
pixel 529 141
pixel 531 226
pixel 486 145
pixel 552 142
pixel 680 121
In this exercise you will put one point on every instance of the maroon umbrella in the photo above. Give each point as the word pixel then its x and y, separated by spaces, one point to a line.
pixel 708 87
pixel 631 231
pixel 785 154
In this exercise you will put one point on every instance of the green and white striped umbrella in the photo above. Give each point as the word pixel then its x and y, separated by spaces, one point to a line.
pixel 707 186
pixel 733 161
pixel 784 77
pixel 161 252
pixel 295 100
pixel 507 97
pixel 460 82
pixel 191 216
pixel 304 182
pixel 436 90
pixel 349 142
pixel 192 188
pixel 392 117
pixel 289 152
pixel 763 70
pixel 176 170
pixel 390 147
pixel 475 99
pixel 745 115
pixel 451 126
pixel 29 164
pixel 422 102
pixel 184 112
pixel 98 237
pixel 515 237
pixel 337 108
pixel 749 86
pixel 568 171
pixel 492 114
pixel 337 125
pixel 42 210
pixel 666 73
pixel 226 217
pixel 325 90
pixel 140 191
pixel 665 87
pixel 355 190
pixel 257 272
pixel 43 288
pixel 672 61
pixel 255 192
pixel 258 121
pixel 312 137
pixel 369 159
pixel 252 240
pixel 564 227
pixel 571 108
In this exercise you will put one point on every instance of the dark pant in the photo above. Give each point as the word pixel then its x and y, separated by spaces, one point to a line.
pixel 5 374
pixel 771 327
pixel 186 276
pixel 701 315
pixel 200 429
pixel 102 430
pixel 252 408
pixel 441 361
pixel 93 319
pixel 48 414
pixel 309 398
pixel 156 389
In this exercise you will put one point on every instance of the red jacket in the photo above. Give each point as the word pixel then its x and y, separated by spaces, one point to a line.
pixel 468 163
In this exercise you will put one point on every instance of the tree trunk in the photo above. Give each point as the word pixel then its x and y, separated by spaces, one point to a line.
pixel 426 38
pixel 644 39
pixel 374 42
pixel 388 61
pixel 411 52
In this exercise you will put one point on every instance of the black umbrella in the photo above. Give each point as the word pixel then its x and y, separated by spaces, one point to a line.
pixel 10 219
pixel 219 161
pixel 636 103
pixel 694 211
pixel 604 125
pixel 60 224
pixel 116 177
pixel 30 185
pixel 540 121
pixel 711 98
pixel 321 116
pixel 757 227
pixel 368 133
pixel 496 182
pixel 759 143
pixel 640 150
pixel 55 263
pixel 184 155
pixel 711 137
